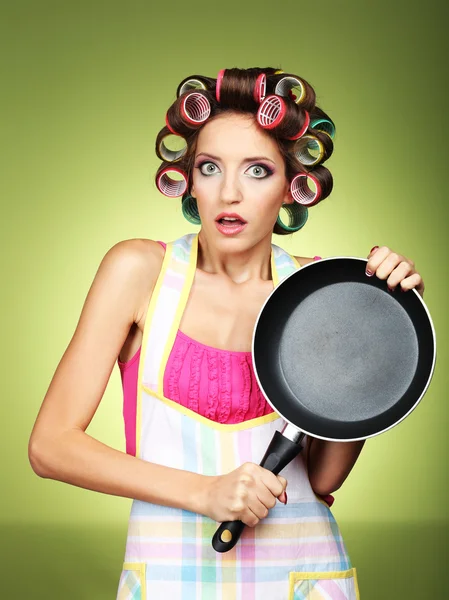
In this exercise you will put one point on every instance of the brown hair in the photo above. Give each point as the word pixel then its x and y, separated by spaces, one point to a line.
pixel 236 96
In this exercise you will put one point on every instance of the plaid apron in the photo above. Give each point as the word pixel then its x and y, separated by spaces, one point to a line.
pixel 295 553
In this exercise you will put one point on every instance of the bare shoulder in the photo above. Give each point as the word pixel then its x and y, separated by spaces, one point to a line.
pixel 127 271
pixel 138 261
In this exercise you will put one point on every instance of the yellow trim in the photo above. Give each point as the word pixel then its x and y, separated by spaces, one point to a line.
pixel 295 576
pixel 295 261
pixel 274 271
pixel 141 569
pixel 179 311
pixel 213 424
pixel 143 347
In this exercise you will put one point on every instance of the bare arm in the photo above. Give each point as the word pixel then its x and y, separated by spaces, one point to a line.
pixel 329 463
pixel 59 448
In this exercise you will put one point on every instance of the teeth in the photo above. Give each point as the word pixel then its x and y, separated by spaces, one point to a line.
pixel 229 219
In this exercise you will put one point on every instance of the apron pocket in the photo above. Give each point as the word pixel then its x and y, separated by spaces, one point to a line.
pixel 132 582
pixel 338 585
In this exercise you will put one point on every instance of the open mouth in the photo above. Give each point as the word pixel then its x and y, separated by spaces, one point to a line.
pixel 231 222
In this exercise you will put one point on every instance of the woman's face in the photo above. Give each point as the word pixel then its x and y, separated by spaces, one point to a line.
pixel 238 172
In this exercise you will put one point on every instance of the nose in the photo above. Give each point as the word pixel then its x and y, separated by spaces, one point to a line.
pixel 230 189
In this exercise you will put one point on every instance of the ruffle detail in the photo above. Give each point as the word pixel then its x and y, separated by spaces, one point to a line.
pixel 225 388
pixel 195 374
pixel 212 390
pixel 175 371
pixel 246 391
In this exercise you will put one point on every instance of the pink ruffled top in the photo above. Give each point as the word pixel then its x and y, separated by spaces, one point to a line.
pixel 217 384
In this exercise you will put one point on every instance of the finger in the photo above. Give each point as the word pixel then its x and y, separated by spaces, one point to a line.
pixel 388 264
pixel 413 281
pixel 249 517
pixel 266 497
pixel 258 508
pixel 276 484
pixel 403 270
pixel 375 259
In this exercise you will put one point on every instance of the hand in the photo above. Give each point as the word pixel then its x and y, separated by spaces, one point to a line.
pixel 395 268
pixel 245 494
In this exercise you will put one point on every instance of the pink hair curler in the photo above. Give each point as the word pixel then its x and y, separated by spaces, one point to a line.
pixel 218 84
pixel 260 88
pixel 168 126
pixel 191 84
pixel 286 84
pixel 301 191
pixel 195 108
pixel 303 129
pixel 171 187
pixel 169 154
pixel 271 112
pixel 309 150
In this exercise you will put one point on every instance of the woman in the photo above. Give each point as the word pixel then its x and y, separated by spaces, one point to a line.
pixel 179 319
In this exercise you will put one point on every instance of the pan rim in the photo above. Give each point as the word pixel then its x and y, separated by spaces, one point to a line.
pixel 275 290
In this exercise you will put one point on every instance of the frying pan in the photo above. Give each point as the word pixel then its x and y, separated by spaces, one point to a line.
pixel 338 357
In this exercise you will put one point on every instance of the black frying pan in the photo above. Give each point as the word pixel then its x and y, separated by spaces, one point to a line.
pixel 338 355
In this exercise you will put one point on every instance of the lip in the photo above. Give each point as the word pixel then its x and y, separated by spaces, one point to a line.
pixel 230 229
pixel 231 216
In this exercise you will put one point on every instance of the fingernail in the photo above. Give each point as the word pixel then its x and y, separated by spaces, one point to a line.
pixel 390 289
pixel 285 497
pixel 373 248
pixel 369 273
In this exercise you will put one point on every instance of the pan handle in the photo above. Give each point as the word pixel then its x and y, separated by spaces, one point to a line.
pixel 280 452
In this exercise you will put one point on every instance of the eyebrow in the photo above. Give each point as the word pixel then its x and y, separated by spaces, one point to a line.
pixel 249 159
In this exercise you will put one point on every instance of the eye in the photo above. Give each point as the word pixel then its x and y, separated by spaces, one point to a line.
pixel 261 171
pixel 210 168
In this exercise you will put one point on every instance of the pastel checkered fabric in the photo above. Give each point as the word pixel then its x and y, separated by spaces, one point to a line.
pixel 295 552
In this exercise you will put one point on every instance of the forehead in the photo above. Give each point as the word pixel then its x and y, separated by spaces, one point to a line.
pixel 234 135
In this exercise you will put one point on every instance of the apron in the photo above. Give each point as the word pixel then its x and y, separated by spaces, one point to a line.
pixel 295 553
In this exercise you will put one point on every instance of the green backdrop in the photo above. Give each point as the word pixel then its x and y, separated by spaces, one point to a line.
pixel 85 87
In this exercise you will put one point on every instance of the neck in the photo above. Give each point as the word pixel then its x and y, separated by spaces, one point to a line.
pixel 253 263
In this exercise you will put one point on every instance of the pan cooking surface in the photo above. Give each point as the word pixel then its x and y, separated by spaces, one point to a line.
pixel 348 353
pixel 339 356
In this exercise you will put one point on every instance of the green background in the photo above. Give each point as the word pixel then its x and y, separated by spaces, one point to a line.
pixel 84 91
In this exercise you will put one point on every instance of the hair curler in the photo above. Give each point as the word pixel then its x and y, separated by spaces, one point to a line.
pixel 309 150
pixel 260 88
pixel 218 84
pixel 271 112
pixel 191 84
pixel 171 187
pixel 323 125
pixel 171 155
pixel 286 84
pixel 168 125
pixel 301 192
pixel 195 108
